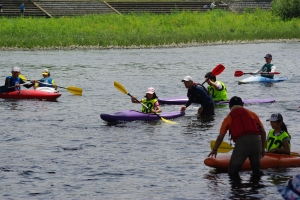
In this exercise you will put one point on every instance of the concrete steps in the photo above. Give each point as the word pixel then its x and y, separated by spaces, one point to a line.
pixel 67 8
pixel 11 8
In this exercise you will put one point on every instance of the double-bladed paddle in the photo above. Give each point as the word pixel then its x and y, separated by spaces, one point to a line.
pixel 241 73
pixel 71 89
pixel 216 71
pixel 122 89
pixel 225 147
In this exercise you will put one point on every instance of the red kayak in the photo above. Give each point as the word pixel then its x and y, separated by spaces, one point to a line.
pixel 30 94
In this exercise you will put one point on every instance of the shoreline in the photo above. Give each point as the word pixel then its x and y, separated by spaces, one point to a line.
pixel 181 45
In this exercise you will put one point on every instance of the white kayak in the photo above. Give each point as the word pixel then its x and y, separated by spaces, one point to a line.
pixel 262 79
pixel 47 89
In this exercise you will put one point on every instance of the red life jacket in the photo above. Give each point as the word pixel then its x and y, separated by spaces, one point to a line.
pixel 242 124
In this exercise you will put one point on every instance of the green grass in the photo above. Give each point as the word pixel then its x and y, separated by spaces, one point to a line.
pixel 145 29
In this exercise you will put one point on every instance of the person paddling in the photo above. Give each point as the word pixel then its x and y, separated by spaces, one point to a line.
pixel 249 136
pixel 278 140
pixel 267 67
pixel 13 81
pixel 150 101
pixel 46 81
pixel 216 89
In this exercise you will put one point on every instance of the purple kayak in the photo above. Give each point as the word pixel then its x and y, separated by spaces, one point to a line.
pixel 132 115
pixel 182 100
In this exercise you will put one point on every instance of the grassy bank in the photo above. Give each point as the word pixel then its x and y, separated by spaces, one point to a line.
pixel 145 29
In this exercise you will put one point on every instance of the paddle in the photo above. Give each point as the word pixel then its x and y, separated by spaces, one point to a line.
pixel 241 73
pixel 225 147
pixel 122 89
pixel 216 71
pixel 71 89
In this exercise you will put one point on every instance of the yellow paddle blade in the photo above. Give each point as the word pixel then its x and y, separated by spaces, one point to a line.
pixel 168 121
pixel 120 87
pixel 294 154
pixel 74 90
pixel 223 148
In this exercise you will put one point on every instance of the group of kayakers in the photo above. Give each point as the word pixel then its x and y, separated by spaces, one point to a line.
pixel 244 126
pixel 16 79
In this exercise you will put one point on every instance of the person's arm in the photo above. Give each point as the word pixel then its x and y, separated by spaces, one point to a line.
pixel 188 103
pixel 157 109
pixel 216 84
pixel 219 140
pixel 134 100
pixel 273 68
pixel 286 148
pixel 263 141
pixel 7 82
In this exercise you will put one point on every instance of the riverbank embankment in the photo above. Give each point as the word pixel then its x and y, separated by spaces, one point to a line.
pixel 179 29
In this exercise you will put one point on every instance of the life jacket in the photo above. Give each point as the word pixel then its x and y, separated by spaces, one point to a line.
pixel 13 81
pixel 242 124
pixel 267 68
pixel 48 82
pixel 276 141
pixel 218 95
pixel 149 104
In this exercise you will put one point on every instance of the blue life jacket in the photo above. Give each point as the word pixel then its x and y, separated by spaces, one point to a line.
pixel 48 82
pixel 13 81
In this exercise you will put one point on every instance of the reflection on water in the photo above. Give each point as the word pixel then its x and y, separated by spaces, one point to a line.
pixel 63 150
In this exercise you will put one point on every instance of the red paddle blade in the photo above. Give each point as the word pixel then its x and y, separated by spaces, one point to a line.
pixel 218 70
pixel 273 72
pixel 238 73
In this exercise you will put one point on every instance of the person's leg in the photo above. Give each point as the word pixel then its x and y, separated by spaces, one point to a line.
pixel 240 153
pixel 255 155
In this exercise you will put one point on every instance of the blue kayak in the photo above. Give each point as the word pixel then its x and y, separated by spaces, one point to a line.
pixel 261 79
pixel 133 115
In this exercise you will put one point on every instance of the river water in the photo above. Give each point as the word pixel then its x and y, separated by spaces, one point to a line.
pixel 63 150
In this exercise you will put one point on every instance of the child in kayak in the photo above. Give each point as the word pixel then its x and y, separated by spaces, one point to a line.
pixel 46 81
pixel 278 140
pixel 267 67
pixel 150 101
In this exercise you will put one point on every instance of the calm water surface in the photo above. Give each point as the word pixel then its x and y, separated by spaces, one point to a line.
pixel 63 150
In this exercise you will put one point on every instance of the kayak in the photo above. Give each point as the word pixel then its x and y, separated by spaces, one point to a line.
pixel 30 94
pixel 47 89
pixel 132 115
pixel 262 80
pixel 270 160
pixel 184 100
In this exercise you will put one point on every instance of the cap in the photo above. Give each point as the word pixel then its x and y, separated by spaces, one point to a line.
pixel 292 189
pixel 268 56
pixel 235 101
pixel 46 72
pixel 187 78
pixel 275 117
pixel 16 69
pixel 150 90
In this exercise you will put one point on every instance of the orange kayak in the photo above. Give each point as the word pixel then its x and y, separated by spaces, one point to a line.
pixel 270 160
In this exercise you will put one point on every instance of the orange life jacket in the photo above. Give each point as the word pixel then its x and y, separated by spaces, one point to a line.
pixel 242 124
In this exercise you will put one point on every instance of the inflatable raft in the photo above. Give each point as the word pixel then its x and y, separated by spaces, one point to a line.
pixel 183 100
pixel 270 160
pixel 133 115
pixel 30 94
pixel 261 79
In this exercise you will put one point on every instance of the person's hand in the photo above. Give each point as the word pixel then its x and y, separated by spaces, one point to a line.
pixel 251 73
pixel 208 81
pixel 17 85
pixel 133 99
pixel 183 108
pixel 212 153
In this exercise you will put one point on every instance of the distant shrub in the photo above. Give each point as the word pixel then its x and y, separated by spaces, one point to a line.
pixel 286 9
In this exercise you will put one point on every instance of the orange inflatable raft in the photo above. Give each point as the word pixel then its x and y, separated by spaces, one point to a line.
pixel 270 160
